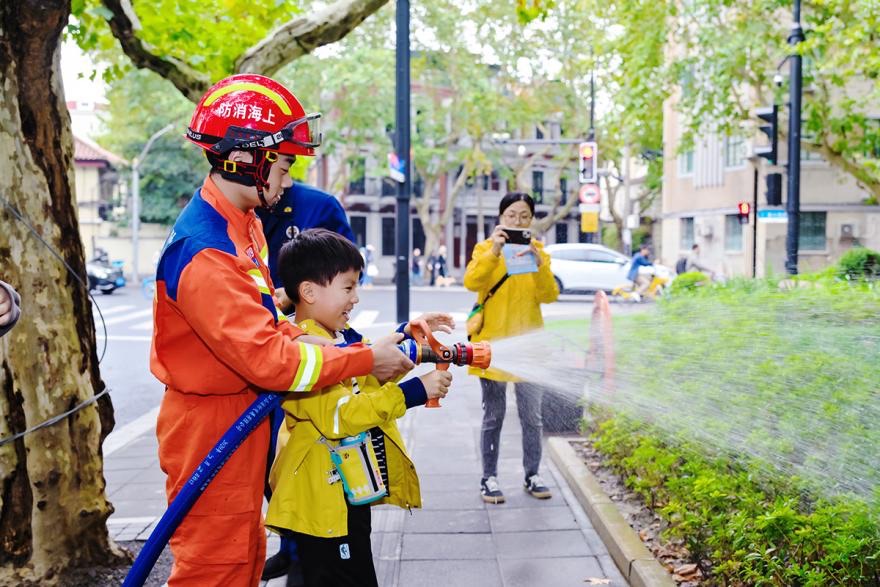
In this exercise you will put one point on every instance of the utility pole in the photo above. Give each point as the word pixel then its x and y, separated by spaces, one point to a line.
pixel 136 201
pixel 626 237
pixel 793 205
pixel 402 145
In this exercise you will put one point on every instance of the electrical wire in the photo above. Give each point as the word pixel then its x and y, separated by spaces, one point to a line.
pixel 93 399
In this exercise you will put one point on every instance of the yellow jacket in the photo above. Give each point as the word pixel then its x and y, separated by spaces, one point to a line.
pixel 302 498
pixel 515 307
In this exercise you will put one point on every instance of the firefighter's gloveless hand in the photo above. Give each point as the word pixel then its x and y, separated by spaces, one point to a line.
pixel 388 361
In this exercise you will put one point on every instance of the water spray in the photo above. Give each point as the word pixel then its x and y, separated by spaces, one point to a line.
pixel 424 348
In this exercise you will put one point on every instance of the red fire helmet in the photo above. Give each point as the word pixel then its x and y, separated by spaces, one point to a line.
pixel 247 111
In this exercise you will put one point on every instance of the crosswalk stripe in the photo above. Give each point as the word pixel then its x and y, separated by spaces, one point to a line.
pixel 114 310
pixel 148 325
pixel 364 319
pixel 128 317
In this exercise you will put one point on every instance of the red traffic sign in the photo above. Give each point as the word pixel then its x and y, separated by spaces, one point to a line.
pixel 589 194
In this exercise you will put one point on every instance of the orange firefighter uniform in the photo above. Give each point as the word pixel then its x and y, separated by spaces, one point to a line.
pixel 217 342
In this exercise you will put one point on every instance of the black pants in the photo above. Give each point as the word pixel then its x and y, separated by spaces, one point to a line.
pixel 340 562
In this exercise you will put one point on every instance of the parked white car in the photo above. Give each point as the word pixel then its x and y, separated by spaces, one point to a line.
pixel 581 266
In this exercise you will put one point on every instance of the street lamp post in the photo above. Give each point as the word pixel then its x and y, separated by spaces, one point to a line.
pixel 793 205
pixel 404 188
pixel 136 200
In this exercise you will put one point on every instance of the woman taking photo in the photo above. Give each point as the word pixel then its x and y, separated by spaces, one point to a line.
pixel 511 306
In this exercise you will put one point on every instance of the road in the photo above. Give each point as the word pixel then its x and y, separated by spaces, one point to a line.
pixel 127 314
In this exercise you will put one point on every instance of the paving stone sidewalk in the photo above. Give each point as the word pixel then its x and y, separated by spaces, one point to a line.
pixel 456 539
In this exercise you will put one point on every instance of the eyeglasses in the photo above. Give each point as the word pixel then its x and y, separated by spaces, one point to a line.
pixel 513 216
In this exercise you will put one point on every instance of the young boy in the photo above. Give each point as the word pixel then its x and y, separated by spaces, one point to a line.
pixel 320 271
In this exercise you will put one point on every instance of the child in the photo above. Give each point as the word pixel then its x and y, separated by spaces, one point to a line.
pixel 320 271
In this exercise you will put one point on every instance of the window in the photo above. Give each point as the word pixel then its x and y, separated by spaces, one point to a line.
pixel 563 189
pixel 538 186
pixel 539 134
pixel 734 151
pixel 561 232
pixel 687 233
pixel 359 228
pixel 418 234
pixel 357 185
pixel 686 163
pixel 812 231
pixel 388 236
pixel 733 233
pixel 602 257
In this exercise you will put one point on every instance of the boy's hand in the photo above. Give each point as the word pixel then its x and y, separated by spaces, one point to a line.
pixel 388 361
pixel 437 321
pixel 437 383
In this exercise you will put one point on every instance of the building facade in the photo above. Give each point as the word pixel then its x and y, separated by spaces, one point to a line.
pixel 702 188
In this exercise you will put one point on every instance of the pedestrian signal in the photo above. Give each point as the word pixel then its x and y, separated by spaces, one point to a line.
pixel 588 153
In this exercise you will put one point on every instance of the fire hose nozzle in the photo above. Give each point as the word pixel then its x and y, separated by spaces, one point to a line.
pixel 424 348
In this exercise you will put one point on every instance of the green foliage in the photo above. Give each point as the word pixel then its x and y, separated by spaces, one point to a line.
pixel 859 263
pixel 753 534
pixel 207 35
pixel 140 104
pixel 686 282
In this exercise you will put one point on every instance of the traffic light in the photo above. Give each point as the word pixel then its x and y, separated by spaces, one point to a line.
pixel 770 116
pixel 744 209
pixel 588 153
pixel 774 189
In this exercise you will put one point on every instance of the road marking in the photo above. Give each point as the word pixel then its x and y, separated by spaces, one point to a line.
pixel 113 310
pixel 148 325
pixel 123 338
pixel 128 317
pixel 364 319
pixel 131 431
pixel 111 521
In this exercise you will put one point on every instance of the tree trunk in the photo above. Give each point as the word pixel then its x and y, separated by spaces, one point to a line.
pixel 53 510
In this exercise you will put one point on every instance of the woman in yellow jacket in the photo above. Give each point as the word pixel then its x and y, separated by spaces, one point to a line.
pixel 514 308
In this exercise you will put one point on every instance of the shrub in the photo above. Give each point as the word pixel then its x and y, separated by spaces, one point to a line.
pixel 859 263
pixel 689 281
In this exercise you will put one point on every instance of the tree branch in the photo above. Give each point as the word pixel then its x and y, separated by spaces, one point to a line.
pixel 124 25
pixel 303 34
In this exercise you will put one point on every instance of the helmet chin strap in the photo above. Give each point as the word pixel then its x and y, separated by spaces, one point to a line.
pixel 254 174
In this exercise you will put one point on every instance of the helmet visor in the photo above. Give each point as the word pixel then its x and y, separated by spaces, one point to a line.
pixel 305 131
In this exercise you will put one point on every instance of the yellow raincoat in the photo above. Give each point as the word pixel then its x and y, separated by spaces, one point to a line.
pixel 516 307
pixel 302 498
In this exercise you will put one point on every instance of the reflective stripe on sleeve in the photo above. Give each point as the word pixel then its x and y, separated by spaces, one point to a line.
pixel 310 361
pixel 260 281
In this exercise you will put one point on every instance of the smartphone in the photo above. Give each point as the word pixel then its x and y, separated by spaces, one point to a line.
pixel 518 236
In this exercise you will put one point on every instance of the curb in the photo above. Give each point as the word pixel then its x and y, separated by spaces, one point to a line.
pixel 633 559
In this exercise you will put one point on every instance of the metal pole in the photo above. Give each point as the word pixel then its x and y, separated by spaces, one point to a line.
pixel 403 146
pixel 793 205
pixel 626 237
pixel 592 101
pixel 755 224
pixel 136 200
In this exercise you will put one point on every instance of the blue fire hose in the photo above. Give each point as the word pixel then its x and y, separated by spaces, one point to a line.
pixel 189 493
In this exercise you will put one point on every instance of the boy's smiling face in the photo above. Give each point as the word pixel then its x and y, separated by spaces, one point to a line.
pixel 331 305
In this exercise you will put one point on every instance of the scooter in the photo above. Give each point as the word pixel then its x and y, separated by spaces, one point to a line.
pixel 104 275
pixel 661 277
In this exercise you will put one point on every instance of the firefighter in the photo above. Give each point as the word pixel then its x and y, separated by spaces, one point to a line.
pixel 218 339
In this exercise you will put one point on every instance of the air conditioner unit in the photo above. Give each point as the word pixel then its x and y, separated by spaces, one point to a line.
pixel 849 231
pixel 704 230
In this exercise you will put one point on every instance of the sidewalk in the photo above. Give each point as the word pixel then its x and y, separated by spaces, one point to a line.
pixel 456 539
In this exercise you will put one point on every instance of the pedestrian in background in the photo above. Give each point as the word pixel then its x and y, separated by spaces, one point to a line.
pixel 10 307
pixel 416 271
pixel 511 306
